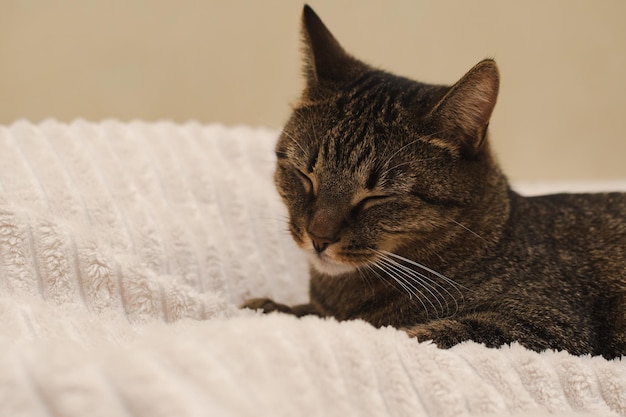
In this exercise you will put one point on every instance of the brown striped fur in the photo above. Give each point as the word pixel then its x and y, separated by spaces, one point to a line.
pixel 408 221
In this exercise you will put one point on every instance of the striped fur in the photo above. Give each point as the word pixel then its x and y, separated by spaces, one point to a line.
pixel 408 221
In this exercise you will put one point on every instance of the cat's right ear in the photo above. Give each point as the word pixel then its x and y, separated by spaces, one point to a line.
pixel 326 63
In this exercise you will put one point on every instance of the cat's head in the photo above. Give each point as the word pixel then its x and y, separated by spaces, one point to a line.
pixel 371 162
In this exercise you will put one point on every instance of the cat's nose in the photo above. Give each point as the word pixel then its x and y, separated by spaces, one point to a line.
pixel 320 243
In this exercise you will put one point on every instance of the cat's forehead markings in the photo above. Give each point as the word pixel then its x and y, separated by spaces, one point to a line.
pixel 372 179
pixel 313 158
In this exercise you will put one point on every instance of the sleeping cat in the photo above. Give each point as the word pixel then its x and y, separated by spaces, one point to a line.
pixel 408 221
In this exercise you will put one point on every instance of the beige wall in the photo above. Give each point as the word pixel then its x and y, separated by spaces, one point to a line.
pixel 561 112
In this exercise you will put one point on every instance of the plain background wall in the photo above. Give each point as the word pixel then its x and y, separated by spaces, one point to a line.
pixel 560 114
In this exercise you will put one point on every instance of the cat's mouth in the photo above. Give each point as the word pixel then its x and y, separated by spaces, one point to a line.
pixel 325 264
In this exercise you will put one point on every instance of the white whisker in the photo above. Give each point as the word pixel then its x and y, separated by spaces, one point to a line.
pixel 407 289
pixel 401 268
pixel 468 229
pixel 411 281
pixel 425 268
pixel 365 277
pixel 388 170
pixel 428 284
pixel 395 278
pixel 402 148
pixel 295 141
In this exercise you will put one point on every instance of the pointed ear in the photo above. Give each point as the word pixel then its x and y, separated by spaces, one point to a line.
pixel 463 114
pixel 325 61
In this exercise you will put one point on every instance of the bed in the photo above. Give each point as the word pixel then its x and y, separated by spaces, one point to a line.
pixel 125 249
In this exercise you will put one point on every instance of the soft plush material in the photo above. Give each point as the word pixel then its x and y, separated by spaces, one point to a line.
pixel 125 250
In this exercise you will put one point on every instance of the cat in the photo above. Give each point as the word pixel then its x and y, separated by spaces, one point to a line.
pixel 394 194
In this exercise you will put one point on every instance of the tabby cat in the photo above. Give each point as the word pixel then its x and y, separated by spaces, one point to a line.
pixel 408 221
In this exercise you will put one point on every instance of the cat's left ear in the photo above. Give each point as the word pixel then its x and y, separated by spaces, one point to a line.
pixel 462 115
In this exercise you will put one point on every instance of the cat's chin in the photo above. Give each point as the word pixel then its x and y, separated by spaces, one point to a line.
pixel 325 265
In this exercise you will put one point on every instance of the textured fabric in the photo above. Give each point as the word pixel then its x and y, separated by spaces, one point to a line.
pixel 125 249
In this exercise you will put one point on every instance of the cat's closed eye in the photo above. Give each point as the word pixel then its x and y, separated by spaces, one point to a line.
pixel 370 201
pixel 307 182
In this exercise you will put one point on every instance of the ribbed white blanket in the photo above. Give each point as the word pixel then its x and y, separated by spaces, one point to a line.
pixel 124 251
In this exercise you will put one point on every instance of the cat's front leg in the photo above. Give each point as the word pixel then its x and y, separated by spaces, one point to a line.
pixel 267 305
pixel 446 333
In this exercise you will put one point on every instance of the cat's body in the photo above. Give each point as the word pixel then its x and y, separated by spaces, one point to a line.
pixel 533 286
pixel 408 221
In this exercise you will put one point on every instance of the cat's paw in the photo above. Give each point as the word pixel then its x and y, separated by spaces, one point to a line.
pixel 443 333
pixel 266 305
pixel 485 328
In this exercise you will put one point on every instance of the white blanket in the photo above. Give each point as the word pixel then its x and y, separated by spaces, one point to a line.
pixel 124 252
